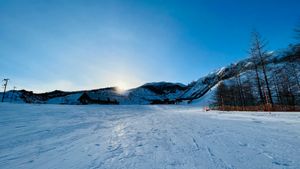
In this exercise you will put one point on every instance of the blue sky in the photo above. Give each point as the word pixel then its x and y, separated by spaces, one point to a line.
pixel 71 45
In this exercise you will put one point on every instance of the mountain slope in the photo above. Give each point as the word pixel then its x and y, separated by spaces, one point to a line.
pixel 149 93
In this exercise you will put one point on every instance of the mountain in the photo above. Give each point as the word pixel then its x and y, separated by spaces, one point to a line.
pixel 150 93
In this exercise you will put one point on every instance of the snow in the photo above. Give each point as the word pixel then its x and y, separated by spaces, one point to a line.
pixel 140 95
pixel 207 100
pixel 145 136
pixel 158 84
pixel 12 96
pixel 69 99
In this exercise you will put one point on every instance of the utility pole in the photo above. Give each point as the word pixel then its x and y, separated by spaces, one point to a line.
pixel 5 84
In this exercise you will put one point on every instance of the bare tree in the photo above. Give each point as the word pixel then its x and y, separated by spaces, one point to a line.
pixel 248 92
pixel 286 90
pixel 220 95
pixel 257 78
pixel 297 31
pixel 259 53
pixel 276 83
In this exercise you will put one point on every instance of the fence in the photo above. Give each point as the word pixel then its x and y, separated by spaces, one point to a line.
pixel 257 108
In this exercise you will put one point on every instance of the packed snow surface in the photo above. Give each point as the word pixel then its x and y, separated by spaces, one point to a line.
pixel 142 137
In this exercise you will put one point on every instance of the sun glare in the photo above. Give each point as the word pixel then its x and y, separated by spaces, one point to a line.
pixel 121 87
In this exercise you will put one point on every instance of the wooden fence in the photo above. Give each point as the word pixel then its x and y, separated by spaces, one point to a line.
pixel 257 108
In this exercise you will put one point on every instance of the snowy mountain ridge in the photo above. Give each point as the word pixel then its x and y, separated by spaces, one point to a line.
pixel 149 93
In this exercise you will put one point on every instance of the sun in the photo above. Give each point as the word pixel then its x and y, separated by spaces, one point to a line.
pixel 122 87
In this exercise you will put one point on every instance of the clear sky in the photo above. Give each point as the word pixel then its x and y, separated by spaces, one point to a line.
pixel 71 44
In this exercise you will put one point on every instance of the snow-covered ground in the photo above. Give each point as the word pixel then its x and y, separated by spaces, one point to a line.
pixel 109 137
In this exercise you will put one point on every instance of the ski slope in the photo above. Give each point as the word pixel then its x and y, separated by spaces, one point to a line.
pixel 142 137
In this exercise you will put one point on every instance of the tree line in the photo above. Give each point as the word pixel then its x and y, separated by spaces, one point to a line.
pixel 273 83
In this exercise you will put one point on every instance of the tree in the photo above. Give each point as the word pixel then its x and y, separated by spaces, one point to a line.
pixel 248 93
pixel 291 68
pixel 276 83
pixel 286 88
pixel 220 95
pixel 257 78
pixel 296 47
pixel 259 54
pixel 297 31
pixel 240 90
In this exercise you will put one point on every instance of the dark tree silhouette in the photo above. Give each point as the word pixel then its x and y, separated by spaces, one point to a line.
pixel 257 78
pixel 259 54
